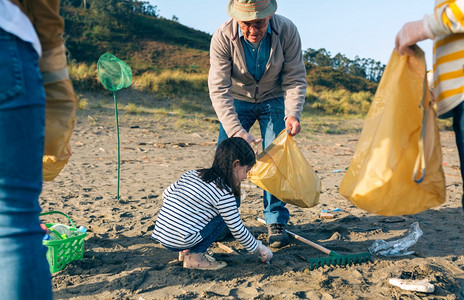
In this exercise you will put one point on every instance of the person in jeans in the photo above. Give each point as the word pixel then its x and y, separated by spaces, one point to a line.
pixel 24 271
pixel 257 74
pixel 37 108
pixel 446 29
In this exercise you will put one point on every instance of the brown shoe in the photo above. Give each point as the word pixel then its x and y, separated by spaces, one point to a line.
pixel 277 236
pixel 202 261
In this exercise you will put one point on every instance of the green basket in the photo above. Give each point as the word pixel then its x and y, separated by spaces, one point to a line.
pixel 62 252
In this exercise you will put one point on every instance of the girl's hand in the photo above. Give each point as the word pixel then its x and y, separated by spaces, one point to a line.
pixel 263 252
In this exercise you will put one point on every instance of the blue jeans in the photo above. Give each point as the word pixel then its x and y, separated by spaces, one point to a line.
pixel 270 114
pixel 458 126
pixel 209 233
pixel 24 271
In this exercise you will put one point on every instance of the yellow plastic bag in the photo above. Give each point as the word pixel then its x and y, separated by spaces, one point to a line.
pixel 396 168
pixel 59 123
pixel 282 170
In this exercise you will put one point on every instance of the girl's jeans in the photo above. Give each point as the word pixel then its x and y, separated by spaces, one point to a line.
pixel 270 114
pixel 209 233
pixel 24 271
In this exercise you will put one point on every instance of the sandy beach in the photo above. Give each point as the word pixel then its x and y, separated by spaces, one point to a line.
pixel 121 261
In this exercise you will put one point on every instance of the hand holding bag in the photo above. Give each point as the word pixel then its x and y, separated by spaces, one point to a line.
pixel 396 168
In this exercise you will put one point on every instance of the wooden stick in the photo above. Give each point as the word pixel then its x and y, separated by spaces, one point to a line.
pixel 227 248
pixel 302 239
pixel 312 244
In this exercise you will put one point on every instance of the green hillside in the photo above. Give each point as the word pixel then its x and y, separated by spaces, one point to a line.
pixel 142 39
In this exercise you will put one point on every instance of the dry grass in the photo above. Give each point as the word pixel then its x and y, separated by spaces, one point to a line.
pixel 172 83
pixel 84 76
pixel 185 96
pixel 339 102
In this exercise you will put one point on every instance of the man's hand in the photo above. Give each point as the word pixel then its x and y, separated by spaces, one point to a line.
pixel 410 34
pixel 247 137
pixel 293 125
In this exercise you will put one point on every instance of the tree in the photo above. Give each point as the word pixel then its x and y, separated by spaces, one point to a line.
pixel 362 67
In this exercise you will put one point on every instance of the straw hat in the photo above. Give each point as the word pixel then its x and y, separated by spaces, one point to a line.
pixel 247 10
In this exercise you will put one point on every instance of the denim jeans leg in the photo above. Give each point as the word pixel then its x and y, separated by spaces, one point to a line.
pixel 222 135
pixel 458 127
pixel 246 115
pixel 209 233
pixel 24 271
pixel 271 121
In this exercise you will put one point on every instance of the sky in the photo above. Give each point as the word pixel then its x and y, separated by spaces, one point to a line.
pixel 364 28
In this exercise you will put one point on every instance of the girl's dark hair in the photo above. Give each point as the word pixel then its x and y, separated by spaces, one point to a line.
pixel 221 173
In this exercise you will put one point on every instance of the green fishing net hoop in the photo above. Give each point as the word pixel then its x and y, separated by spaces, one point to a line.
pixel 114 74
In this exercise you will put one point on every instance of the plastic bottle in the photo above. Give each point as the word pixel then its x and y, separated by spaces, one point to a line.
pixel 80 230
pixel 46 236
pixel 60 231
pixel 51 237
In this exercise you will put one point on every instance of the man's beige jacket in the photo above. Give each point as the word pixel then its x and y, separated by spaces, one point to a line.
pixel 229 78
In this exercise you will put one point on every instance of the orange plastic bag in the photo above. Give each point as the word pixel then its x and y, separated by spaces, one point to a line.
pixel 396 168
pixel 282 170
pixel 60 111
pixel 59 123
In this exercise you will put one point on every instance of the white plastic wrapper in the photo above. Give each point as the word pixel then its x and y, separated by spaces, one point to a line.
pixel 397 247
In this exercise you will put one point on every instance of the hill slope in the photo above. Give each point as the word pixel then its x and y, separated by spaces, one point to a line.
pixel 146 42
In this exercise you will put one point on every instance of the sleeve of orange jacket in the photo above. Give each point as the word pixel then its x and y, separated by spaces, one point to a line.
pixel 61 101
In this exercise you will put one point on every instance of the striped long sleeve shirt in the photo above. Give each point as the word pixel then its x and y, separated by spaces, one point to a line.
pixel 447 24
pixel 189 204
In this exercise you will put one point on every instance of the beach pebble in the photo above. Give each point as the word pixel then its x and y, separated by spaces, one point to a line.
pixel 423 286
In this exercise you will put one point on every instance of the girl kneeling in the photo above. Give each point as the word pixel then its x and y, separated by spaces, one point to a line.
pixel 198 206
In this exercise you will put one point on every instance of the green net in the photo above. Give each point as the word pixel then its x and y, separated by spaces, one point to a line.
pixel 113 73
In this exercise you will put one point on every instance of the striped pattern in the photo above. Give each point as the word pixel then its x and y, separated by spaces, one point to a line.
pixel 251 7
pixel 447 23
pixel 188 205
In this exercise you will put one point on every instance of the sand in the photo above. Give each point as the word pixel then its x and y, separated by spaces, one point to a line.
pixel 121 261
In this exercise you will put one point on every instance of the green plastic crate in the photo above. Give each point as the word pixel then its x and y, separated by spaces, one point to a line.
pixel 62 252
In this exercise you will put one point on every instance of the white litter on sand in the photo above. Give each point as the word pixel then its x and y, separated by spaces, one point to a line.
pixel 423 285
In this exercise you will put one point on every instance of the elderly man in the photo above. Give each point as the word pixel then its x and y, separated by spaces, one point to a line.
pixel 257 74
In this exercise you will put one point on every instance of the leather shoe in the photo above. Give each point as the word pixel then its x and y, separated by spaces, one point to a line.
pixel 277 236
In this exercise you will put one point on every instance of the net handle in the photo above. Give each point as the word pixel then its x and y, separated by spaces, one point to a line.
pixel 60 213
